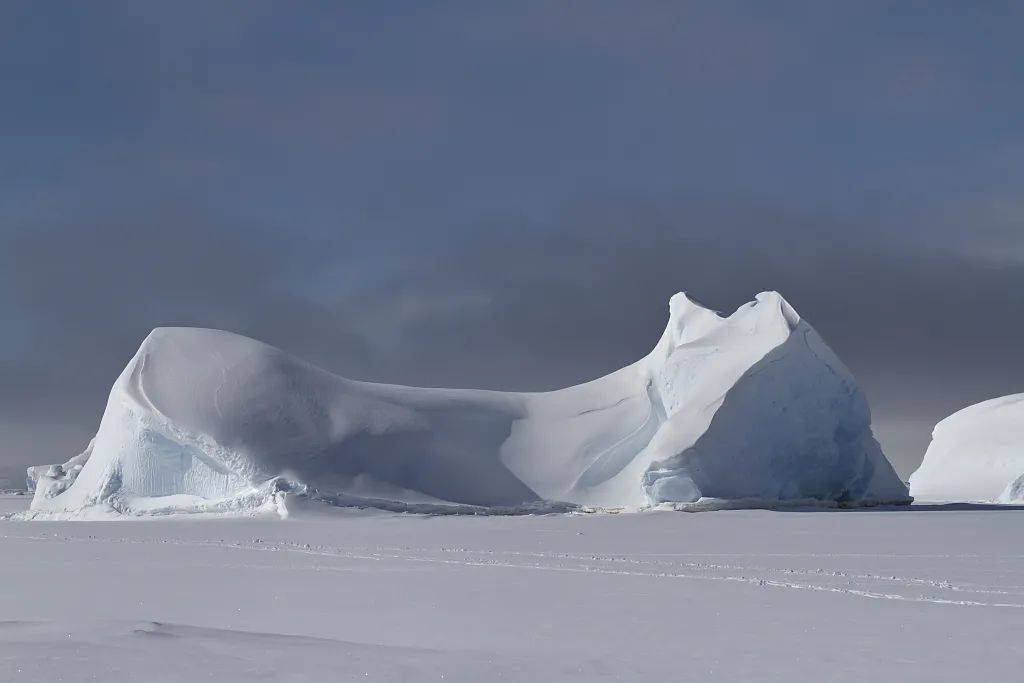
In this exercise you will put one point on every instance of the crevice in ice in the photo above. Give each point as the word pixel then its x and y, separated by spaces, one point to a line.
pixel 615 458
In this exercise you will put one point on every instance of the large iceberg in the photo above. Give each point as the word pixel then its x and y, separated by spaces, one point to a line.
pixel 976 454
pixel 747 410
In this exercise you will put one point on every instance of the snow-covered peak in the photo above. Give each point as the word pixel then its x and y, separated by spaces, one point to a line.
pixel 690 321
pixel 696 334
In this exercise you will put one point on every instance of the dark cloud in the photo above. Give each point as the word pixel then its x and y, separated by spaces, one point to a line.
pixel 507 196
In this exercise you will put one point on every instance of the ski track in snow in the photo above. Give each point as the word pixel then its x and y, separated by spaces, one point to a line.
pixel 605 564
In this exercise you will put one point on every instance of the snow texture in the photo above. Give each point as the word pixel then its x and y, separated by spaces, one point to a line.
pixel 976 454
pixel 339 594
pixel 747 410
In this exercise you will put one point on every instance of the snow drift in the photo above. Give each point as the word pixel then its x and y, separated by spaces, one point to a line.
pixel 976 454
pixel 748 410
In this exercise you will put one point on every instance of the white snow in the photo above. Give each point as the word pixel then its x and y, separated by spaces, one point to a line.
pixel 976 454
pixel 747 410
pixel 750 595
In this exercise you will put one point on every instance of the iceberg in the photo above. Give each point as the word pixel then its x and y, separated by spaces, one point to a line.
pixel 976 455
pixel 749 410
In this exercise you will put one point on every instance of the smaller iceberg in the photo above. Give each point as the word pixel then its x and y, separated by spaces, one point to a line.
pixel 976 455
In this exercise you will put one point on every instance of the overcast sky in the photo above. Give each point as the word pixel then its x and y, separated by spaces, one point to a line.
pixel 505 194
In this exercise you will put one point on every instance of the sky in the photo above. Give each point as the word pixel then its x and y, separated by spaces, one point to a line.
pixel 505 195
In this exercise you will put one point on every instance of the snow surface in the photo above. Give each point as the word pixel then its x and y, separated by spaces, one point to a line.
pixel 933 594
pixel 976 454
pixel 747 410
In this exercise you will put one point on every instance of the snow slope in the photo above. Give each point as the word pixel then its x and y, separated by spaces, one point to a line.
pixel 751 409
pixel 976 454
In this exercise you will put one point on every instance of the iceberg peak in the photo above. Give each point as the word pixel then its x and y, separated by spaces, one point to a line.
pixel 690 321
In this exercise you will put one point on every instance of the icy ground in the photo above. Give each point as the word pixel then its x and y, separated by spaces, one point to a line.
pixel 935 594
